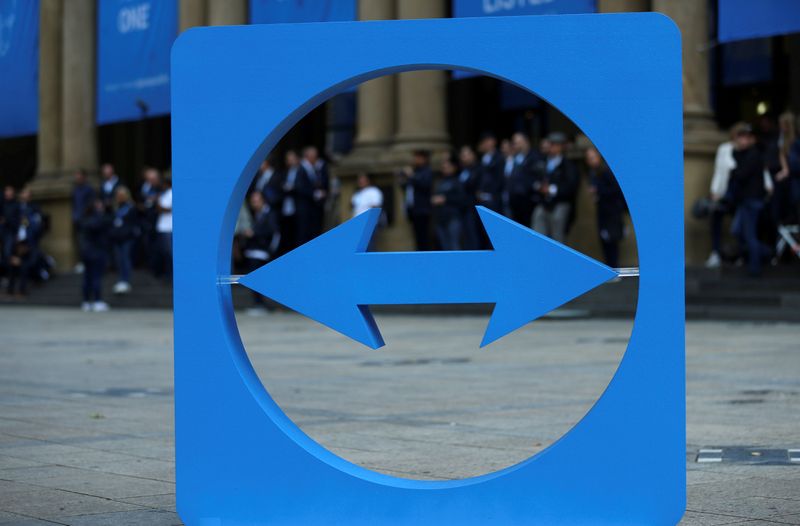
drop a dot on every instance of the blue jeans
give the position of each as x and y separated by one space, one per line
123 256
449 233
164 255
94 268
749 213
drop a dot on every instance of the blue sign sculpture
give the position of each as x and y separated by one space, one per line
239 459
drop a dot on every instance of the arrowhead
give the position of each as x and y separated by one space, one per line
316 279
535 274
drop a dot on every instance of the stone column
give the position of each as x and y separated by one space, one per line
375 110
421 95
67 139
191 13
51 13
227 12
701 135
79 142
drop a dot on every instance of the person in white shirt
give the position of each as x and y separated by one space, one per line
164 230
367 196
721 201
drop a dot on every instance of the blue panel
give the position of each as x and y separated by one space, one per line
19 67
744 19
465 8
294 11
239 459
521 7
133 43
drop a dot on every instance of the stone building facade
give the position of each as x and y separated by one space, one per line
394 115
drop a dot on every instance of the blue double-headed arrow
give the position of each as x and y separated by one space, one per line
333 279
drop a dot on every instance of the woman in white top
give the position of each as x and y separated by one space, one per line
164 231
367 196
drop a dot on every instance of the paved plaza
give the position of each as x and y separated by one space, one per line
86 405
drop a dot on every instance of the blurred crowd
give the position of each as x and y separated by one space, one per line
118 228
756 184
21 228
537 187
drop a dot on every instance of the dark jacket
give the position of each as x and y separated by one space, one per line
9 216
748 176
520 183
561 184
418 191
456 199
271 189
94 239
470 178
301 191
108 196
82 195
610 203
266 233
31 220
319 177
793 159
125 226
492 180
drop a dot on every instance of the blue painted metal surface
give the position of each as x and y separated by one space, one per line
239 459
517 276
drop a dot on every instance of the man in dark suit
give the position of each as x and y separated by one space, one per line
317 170
268 182
298 203
557 186
261 241
469 178
519 185
108 184
751 188
490 186
417 181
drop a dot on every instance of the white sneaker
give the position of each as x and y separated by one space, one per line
86 306
122 287
714 261
100 306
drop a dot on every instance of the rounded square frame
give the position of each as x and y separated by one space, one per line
239 459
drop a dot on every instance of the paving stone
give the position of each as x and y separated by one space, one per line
126 518
86 415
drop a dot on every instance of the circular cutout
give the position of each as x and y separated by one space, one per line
431 404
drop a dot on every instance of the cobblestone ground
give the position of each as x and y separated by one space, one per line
86 400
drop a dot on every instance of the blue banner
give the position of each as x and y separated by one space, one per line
464 8
19 67
134 38
745 19
294 11
747 62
